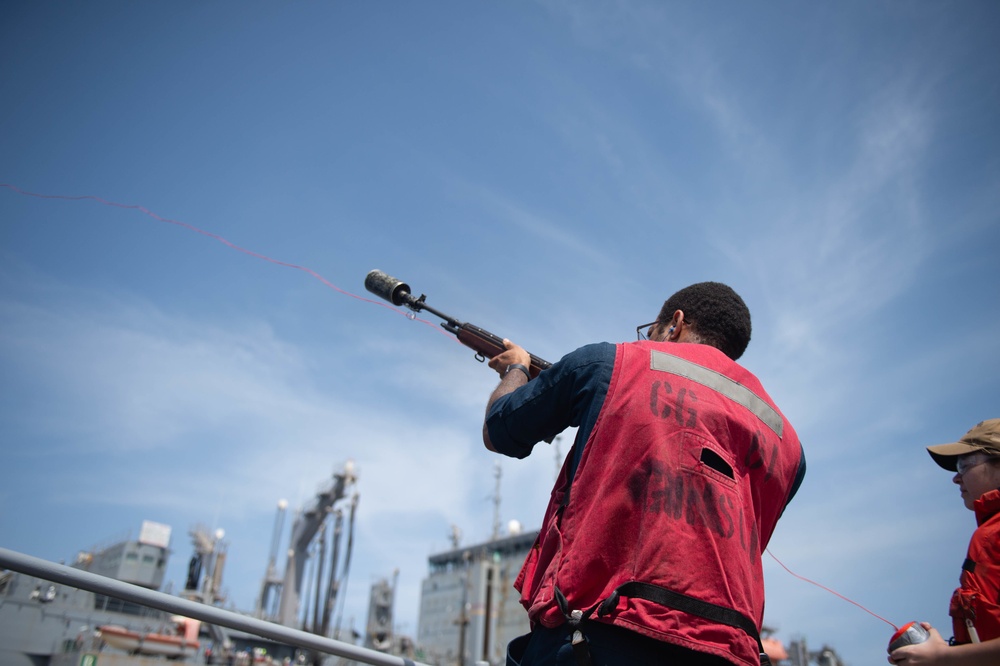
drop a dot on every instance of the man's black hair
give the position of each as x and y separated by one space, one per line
716 313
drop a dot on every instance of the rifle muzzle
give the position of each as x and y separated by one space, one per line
385 286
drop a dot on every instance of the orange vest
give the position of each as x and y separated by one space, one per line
977 601
678 490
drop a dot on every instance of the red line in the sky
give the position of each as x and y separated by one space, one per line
222 240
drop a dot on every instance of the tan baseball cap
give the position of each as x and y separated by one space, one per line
985 437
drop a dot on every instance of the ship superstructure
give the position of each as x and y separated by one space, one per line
40 618
44 623
469 609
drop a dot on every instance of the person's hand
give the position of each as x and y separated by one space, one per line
929 652
512 354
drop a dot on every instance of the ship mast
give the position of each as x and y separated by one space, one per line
497 472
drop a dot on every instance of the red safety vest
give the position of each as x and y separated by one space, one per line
678 490
977 601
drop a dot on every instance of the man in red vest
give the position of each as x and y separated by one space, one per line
975 605
650 549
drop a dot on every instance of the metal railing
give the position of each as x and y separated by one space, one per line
84 580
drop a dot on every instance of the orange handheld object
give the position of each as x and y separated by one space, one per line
909 634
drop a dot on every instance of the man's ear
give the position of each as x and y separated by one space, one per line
674 330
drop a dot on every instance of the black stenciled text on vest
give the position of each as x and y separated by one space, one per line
691 496
679 405
757 457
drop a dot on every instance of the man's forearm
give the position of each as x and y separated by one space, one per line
510 382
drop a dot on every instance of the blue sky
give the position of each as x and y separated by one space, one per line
550 171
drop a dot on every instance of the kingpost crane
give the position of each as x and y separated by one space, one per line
304 530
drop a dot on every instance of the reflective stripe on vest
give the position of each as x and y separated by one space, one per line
719 383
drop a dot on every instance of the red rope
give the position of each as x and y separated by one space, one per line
824 587
256 255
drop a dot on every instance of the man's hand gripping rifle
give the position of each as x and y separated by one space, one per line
485 344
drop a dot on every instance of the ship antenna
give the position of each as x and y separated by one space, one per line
498 472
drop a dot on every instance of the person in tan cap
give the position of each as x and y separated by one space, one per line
975 605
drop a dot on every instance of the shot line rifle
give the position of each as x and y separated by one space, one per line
485 344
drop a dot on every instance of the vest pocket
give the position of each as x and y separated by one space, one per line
704 456
716 462
689 483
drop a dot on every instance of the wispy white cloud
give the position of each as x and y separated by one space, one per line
538 228
676 143
181 415
143 380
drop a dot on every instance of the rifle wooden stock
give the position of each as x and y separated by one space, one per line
487 345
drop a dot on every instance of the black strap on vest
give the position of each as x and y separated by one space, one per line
575 619
682 602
